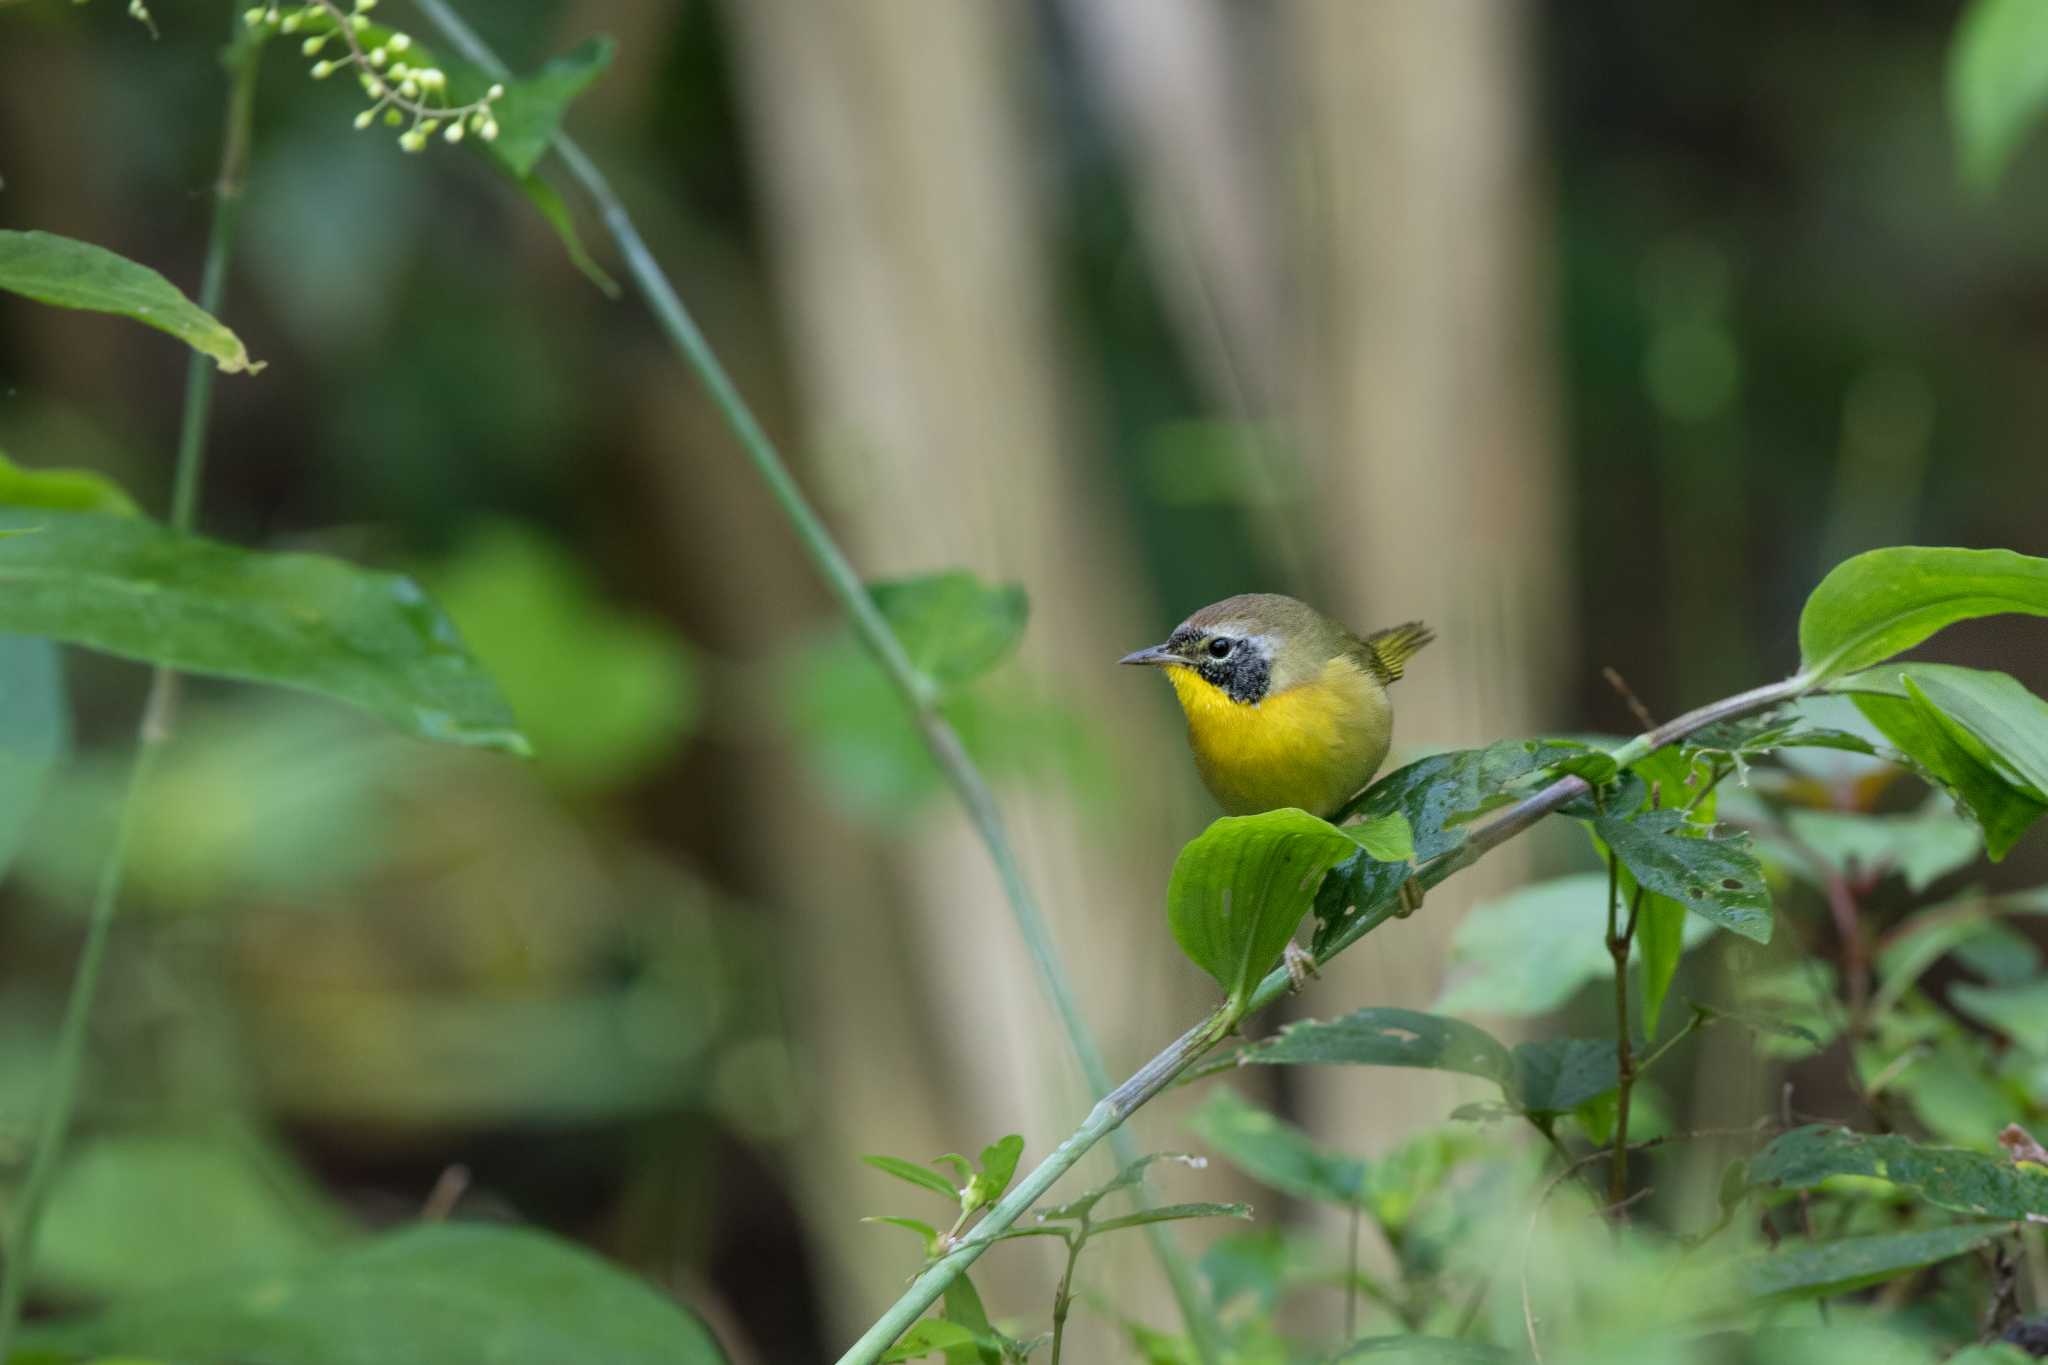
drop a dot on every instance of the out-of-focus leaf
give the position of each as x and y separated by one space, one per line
71 274
132 588
1386 1036
1947 1177
1950 754
2020 1012
1276 1153
1849 1342
1922 848
1718 879
1560 1074
922 1176
953 627
1997 84
1172 1213
547 202
217 1205
35 733
1873 605
1425 1351
1241 887
530 112
1531 950
926 1336
1262 1262
602 693
63 490
1802 1271
453 1293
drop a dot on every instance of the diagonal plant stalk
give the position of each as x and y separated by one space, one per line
1162 1070
917 690
54 1123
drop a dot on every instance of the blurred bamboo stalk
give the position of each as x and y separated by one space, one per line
1428 398
893 139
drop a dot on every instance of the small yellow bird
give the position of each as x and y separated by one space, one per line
1285 707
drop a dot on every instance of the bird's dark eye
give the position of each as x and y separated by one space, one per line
1220 649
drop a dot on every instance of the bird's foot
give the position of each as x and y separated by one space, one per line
1300 964
1410 897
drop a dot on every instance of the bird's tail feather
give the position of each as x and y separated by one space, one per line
1389 650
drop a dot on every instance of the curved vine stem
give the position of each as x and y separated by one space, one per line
53 1123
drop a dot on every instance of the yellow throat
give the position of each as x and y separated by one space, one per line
1312 745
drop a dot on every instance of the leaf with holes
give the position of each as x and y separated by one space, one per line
1718 879
1386 1036
1239 890
1946 1177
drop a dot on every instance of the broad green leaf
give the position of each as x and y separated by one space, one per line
926 1336
530 112
962 1305
1171 1213
923 1176
1946 1177
1718 879
1996 709
1530 950
70 274
35 733
63 490
604 694
1997 795
1385 837
1874 605
451 1293
1263 1262
2020 1012
1803 1271
1660 943
1386 1036
1558 1075
1996 1354
1239 890
1922 848
129 587
1124 1179
998 1164
1425 1351
952 626
1997 84
1276 1153
218 1204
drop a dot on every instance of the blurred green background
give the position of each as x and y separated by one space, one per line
1591 333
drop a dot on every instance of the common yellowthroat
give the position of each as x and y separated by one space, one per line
1285 707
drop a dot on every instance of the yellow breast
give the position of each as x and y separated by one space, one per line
1312 745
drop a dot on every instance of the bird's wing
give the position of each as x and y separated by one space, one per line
1387 651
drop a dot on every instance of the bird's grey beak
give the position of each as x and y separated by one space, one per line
1155 654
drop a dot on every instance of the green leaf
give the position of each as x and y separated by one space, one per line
547 202
1718 879
452 1293
1530 951
1997 84
70 274
1855 1262
1171 1213
63 490
1922 848
918 1175
35 733
998 1164
1386 1036
132 588
1276 1153
218 1204
1946 1177
604 694
1660 939
1239 890
530 112
953 627
2019 1012
2002 791
1386 837
962 1305
1425 1351
927 1335
1558 1075
925 1232
1122 1180
1876 604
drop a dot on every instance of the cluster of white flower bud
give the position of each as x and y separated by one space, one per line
393 73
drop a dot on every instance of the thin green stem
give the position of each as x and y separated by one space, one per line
1624 1047
53 1124
1063 1296
845 583
1351 1281
1159 1073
